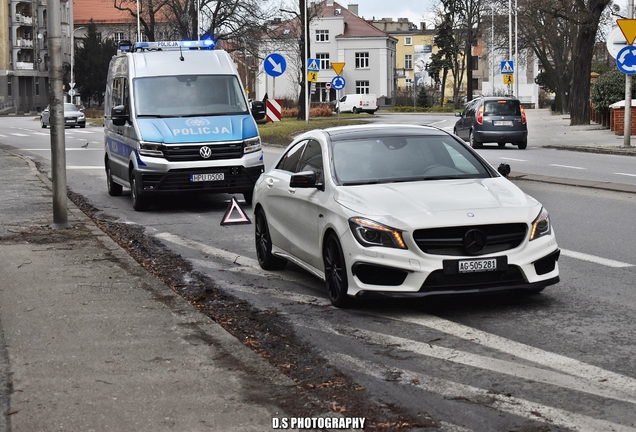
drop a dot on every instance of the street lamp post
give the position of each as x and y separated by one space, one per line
72 83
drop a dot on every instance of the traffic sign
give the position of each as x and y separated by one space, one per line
313 65
328 86
337 67
312 76
274 64
72 92
628 28
338 82
273 110
615 41
508 79
507 67
626 60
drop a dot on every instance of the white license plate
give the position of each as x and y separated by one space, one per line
502 122
482 265
207 177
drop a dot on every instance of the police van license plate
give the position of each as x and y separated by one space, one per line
207 177
502 122
482 265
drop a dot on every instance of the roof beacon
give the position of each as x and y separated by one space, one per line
166 45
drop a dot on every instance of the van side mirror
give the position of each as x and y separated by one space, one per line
258 110
119 115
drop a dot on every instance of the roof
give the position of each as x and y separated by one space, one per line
354 25
100 11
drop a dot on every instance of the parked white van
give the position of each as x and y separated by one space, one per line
177 120
356 103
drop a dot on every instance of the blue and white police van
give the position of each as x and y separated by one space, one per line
177 121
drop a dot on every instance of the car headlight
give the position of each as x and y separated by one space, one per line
541 225
81 116
150 149
371 233
251 145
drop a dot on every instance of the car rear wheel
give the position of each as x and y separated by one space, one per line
266 259
473 143
139 202
114 189
522 145
335 272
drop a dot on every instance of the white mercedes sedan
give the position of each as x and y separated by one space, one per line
400 211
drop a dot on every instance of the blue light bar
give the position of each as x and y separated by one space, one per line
207 44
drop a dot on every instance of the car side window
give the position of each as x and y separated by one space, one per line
312 160
289 162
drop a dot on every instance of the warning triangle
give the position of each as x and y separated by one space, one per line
506 68
234 215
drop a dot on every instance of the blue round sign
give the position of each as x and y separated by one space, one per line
626 60
338 82
274 64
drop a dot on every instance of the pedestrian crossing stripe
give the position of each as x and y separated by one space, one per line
229 219
506 68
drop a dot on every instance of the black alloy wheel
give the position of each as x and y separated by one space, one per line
114 189
139 202
335 272
263 241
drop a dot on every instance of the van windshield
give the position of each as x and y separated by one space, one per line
188 95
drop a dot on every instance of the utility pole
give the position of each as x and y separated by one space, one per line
627 125
56 97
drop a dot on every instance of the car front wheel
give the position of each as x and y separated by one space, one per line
266 259
139 202
335 272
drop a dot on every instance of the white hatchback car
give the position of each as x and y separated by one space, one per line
402 211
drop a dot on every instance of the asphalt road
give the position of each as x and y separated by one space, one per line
562 360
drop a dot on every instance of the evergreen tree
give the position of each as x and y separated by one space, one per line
92 57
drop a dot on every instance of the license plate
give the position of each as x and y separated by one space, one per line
207 177
502 122
482 265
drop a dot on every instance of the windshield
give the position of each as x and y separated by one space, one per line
188 95
70 107
398 159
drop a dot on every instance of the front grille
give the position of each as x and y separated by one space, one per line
193 153
450 240
236 179
438 281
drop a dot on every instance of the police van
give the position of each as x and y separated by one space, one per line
177 121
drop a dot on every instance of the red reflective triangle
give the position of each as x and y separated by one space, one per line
229 218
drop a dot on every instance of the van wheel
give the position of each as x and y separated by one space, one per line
354 110
522 145
114 189
473 142
139 202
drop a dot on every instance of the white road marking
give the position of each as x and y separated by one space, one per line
3 136
434 123
567 166
452 390
75 167
82 132
626 174
19 134
513 159
595 259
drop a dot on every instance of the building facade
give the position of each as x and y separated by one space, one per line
24 57
337 35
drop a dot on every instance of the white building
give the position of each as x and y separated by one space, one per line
338 35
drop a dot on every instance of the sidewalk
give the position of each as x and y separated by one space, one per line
95 343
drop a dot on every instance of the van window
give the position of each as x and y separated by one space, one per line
189 95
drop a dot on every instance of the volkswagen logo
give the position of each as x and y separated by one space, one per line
474 241
205 152
197 122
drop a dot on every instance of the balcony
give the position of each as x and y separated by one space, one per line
23 43
24 66
23 19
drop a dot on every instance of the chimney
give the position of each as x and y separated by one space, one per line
353 8
329 3
422 26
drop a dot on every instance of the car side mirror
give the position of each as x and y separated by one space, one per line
119 115
258 110
458 114
504 169
305 180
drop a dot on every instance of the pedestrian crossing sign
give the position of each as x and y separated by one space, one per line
312 65
507 67
509 79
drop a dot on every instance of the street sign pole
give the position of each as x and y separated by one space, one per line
627 125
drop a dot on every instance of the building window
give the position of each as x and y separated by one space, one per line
322 35
408 40
9 82
362 87
362 60
474 62
408 83
476 84
324 61
118 36
408 61
37 86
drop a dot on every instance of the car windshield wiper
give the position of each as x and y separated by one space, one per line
153 116
361 182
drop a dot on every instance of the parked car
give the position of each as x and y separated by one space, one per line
498 120
357 103
73 116
403 211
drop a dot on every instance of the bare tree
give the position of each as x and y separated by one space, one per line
151 12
